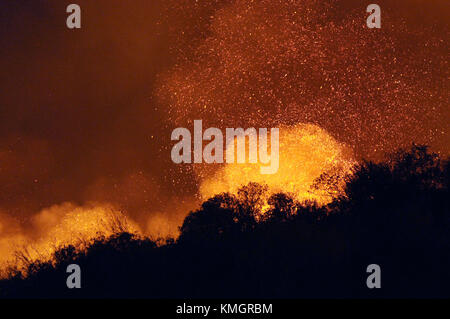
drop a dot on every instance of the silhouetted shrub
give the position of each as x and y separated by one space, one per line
395 214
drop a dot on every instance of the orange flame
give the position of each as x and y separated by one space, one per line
306 152
58 226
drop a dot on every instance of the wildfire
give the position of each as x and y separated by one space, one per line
58 226
307 152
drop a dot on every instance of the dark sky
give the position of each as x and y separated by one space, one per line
87 114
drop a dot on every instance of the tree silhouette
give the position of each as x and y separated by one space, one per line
255 244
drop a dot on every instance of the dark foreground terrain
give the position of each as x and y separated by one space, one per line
394 214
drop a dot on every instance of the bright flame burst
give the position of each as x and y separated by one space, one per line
307 153
59 226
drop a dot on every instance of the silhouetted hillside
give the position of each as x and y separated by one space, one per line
395 214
